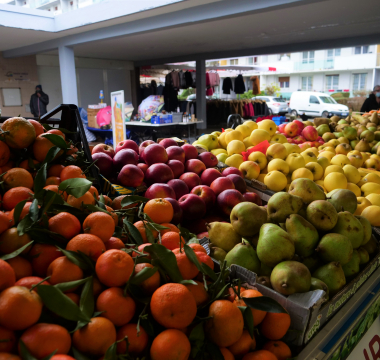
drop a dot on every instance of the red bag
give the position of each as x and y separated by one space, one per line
263 147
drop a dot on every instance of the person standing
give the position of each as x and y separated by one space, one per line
38 102
373 100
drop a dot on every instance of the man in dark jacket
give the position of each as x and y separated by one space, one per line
38 102
373 100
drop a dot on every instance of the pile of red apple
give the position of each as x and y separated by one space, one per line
198 192
297 133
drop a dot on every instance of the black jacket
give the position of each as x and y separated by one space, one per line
370 104
38 104
239 85
227 85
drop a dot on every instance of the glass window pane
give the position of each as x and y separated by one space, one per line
356 82
365 49
311 54
330 53
357 50
337 52
304 80
304 55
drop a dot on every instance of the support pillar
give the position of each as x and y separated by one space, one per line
201 93
68 75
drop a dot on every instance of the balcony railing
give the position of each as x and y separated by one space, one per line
314 65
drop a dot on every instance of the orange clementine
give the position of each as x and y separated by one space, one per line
107 200
25 165
279 349
204 258
53 180
7 339
114 243
187 269
41 148
97 287
5 153
159 210
5 222
99 224
113 215
199 292
56 132
41 256
227 355
72 172
73 297
9 356
226 325
171 228
42 339
86 199
260 355
94 191
65 224
72 151
258 315
19 134
171 344
55 170
116 307
172 240
10 241
275 325
96 337
39 129
15 195
29 281
89 244
63 270
18 177
19 308
243 346
9 165
7 275
137 342
21 267
173 306
142 230
61 357
150 285
24 212
54 188
198 248
114 267
140 248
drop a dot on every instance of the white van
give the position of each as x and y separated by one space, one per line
315 104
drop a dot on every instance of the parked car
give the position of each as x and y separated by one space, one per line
276 105
315 104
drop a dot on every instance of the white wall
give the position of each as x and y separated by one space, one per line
50 79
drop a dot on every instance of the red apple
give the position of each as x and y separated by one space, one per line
179 186
127 144
195 166
281 128
125 157
300 124
310 133
168 142
232 170
202 235
299 139
106 149
155 154
221 184
178 213
143 146
252 197
291 129
158 173
177 167
209 159
143 167
205 193
227 199
191 179
159 191
193 206
104 163
239 183
209 175
176 153
191 151
130 176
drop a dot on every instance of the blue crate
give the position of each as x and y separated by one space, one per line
156 120
168 120
279 119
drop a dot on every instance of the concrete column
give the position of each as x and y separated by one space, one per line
201 93
68 76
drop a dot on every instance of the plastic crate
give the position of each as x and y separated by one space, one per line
156 120
279 119
177 117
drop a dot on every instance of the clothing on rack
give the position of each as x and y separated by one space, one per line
255 84
175 79
160 89
153 85
188 80
227 85
239 85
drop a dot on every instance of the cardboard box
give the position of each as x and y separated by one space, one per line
91 117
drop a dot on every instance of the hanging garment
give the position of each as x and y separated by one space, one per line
209 91
194 77
182 80
239 85
160 89
207 79
153 86
175 79
188 79
255 85
227 85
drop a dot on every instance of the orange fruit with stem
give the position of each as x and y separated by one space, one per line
137 342
150 285
199 292
24 212
53 180
89 244
42 339
260 355
19 133
29 281
65 224
72 172
41 147
41 256
17 177
63 270
172 240
8 276
11 241
15 195
114 243
171 228
243 346
56 132
279 349
7 339
115 306
21 267
86 199
113 214
55 170
55 188
93 190
39 129
173 306
205 259
5 153
187 268
106 199
171 344
159 210
142 230
19 308
258 315
100 224
275 325
96 337
198 248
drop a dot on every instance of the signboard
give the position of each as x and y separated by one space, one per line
118 124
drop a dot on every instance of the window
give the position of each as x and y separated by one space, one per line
264 58
280 100
234 62
307 82
333 52
327 99
360 81
332 82
284 81
308 57
252 60
223 62
337 52
361 50
313 100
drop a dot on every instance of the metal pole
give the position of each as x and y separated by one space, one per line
201 93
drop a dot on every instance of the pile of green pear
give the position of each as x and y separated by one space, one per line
303 240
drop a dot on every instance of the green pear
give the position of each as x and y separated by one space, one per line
244 255
290 277
274 246
364 256
335 247
353 144
312 262
350 133
338 134
281 205
210 141
304 235
332 275
371 246
223 235
322 215
217 253
349 226
353 266
324 128
317 284
368 135
343 200
265 281
246 218
367 228
265 270
306 189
